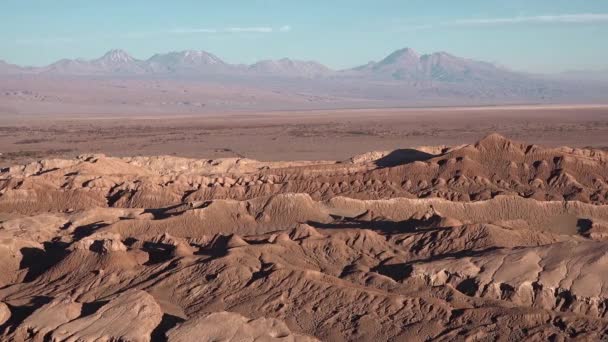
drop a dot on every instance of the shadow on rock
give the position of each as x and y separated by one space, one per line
402 156
37 261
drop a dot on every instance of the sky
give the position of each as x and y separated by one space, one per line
531 35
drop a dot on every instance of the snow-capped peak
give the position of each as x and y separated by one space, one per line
117 56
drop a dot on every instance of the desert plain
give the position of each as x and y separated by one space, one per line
331 134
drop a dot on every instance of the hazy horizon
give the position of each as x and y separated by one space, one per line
380 58
543 37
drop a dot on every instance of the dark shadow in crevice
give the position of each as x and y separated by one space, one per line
468 287
117 196
46 171
158 252
402 271
37 261
264 272
402 156
91 308
583 226
130 241
216 248
397 272
380 226
87 230
20 313
174 210
187 194
168 322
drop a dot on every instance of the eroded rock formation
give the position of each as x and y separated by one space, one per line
485 241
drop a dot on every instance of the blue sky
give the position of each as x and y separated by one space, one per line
531 35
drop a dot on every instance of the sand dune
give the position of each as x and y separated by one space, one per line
471 242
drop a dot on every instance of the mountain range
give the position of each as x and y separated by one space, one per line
405 64
190 62
403 78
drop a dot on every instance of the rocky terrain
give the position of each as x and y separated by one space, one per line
494 240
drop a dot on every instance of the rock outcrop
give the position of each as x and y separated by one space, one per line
495 240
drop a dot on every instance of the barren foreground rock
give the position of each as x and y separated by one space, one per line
473 242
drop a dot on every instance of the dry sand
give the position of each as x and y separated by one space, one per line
293 135
492 240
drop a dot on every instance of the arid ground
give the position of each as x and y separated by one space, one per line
297 135
443 224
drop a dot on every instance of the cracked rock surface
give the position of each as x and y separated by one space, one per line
496 240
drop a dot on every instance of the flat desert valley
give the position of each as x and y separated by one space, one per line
331 134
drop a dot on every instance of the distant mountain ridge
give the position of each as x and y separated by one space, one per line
404 64
288 66
402 77
407 64
119 62
6 68
189 60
